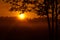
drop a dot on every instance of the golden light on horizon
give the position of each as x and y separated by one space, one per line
27 15
22 16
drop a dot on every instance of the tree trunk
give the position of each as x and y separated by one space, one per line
46 9
56 22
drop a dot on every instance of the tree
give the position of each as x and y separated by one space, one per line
41 7
38 6
27 5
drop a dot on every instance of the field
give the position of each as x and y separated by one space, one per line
14 29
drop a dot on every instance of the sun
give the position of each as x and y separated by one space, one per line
22 16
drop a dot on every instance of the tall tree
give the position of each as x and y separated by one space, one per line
41 7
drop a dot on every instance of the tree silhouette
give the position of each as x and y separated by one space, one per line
27 5
41 7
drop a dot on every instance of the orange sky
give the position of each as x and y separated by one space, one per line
4 11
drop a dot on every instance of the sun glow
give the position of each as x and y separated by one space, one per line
22 16
27 15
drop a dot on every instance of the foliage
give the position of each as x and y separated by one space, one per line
36 6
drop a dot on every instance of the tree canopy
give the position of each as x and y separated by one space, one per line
36 6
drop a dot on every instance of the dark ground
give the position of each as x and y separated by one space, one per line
13 29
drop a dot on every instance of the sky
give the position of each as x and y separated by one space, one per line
4 11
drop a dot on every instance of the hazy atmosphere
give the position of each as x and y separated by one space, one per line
30 19
4 11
